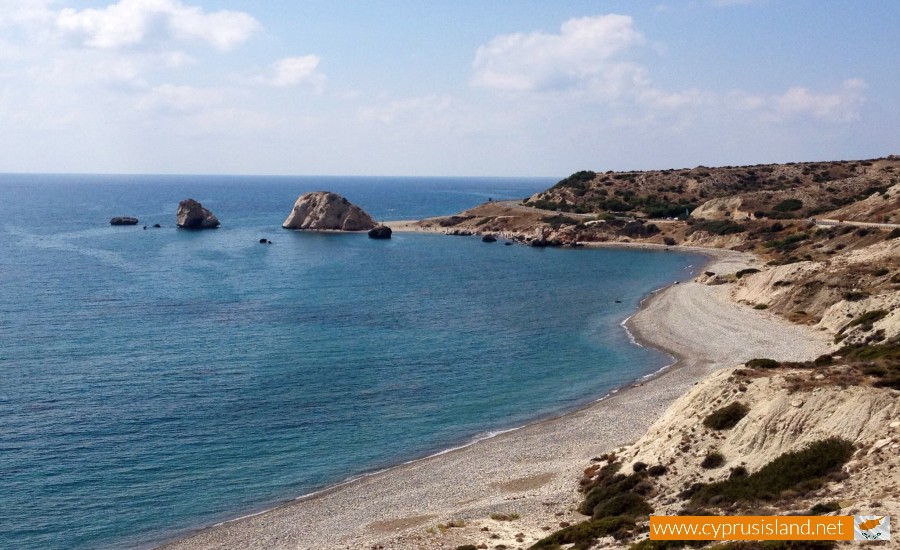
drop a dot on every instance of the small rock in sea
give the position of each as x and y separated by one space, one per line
123 220
156 225
489 239
380 232
264 241
618 301
145 228
507 244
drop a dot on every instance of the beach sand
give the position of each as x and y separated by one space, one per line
531 472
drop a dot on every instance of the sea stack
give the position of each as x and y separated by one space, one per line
325 210
192 215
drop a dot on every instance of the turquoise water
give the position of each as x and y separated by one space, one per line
153 381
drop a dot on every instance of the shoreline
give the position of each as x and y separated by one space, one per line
646 397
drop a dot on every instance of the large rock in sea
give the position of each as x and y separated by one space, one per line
123 220
380 232
192 215
325 210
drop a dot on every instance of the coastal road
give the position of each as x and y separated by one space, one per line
832 223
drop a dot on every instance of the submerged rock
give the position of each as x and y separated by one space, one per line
156 225
123 220
192 215
325 210
380 232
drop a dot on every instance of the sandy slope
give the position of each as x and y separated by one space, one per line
531 472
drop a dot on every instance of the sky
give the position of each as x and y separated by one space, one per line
451 88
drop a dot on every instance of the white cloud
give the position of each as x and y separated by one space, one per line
136 23
583 56
291 71
840 106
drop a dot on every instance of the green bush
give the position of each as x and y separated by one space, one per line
788 205
895 232
727 417
763 364
824 508
794 470
867 320
626 504
584 534
718 227
713 460
747 271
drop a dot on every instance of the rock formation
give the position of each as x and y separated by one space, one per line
380 232
192 215
324 210
123 220
489 239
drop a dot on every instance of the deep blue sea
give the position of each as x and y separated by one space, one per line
154 381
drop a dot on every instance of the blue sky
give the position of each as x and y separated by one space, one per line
493 88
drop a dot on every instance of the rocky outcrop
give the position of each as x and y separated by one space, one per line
192 215
123 220
380 232
489 238
324 210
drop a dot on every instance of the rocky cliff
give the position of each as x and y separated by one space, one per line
330 211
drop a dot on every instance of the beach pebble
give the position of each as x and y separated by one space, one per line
797 403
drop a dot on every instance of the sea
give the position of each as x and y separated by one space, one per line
156 380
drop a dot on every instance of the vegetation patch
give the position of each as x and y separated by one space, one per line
866 321
727 417
747 271
717 227
798 470
763 364
788 205
559 220
713 460
584 534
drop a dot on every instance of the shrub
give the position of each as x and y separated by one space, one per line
669 241
467 547
794 470
639 466
727 417
626 504
584 534
578 180
895 232
867 320
718 227
504 517
824 508
823 360
712 460
747 271
763 364
761 306
657 470
855 296
788 205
